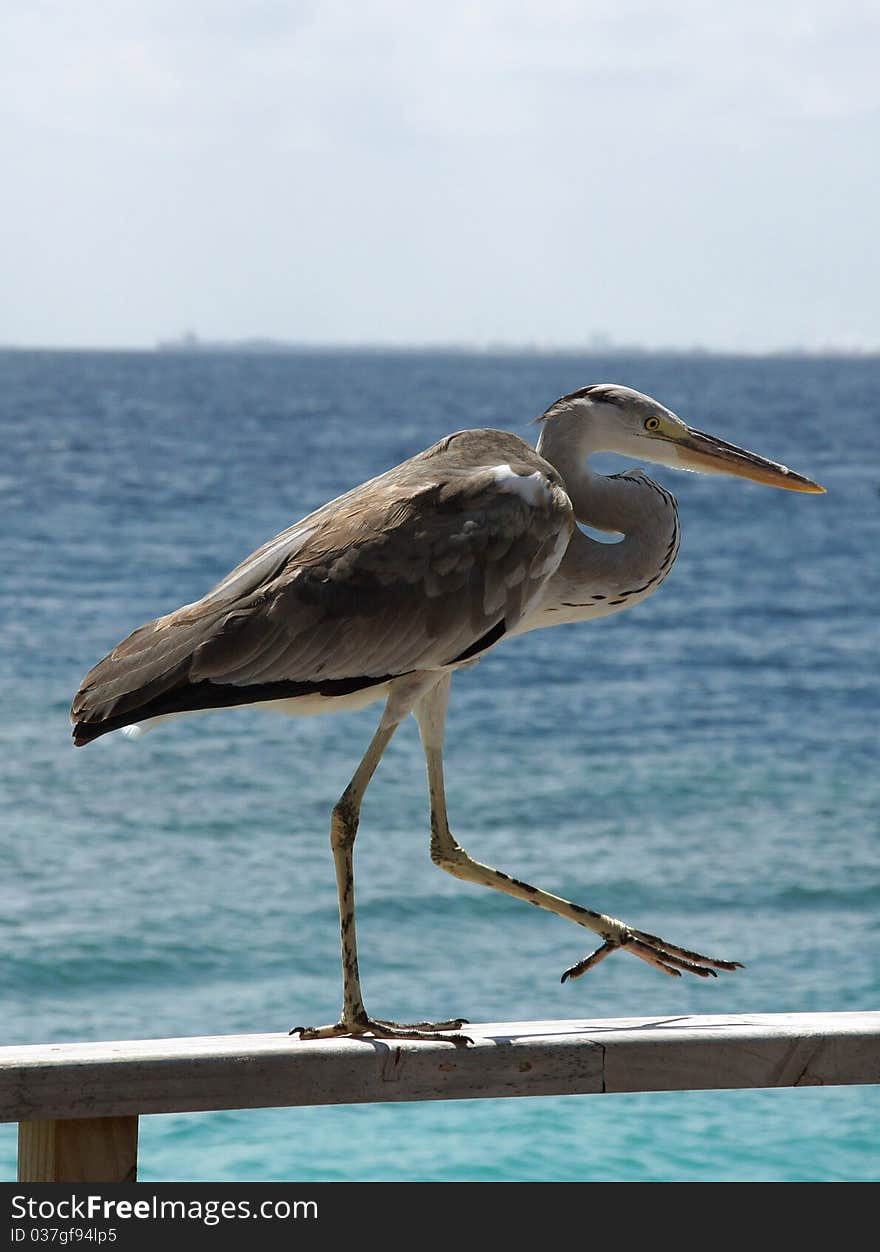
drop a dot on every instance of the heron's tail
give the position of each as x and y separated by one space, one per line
160 671
144 676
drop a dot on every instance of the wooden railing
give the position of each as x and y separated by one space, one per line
77 1104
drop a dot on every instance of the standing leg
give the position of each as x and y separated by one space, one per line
451 856
343 829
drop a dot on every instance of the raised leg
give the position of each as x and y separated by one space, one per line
343 829
451 856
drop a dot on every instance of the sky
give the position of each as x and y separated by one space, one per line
668 173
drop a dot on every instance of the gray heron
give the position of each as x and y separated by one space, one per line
383 593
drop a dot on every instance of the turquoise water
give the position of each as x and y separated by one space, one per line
704 766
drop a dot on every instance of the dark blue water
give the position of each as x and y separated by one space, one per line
703 766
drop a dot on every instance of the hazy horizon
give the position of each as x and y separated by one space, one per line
529 172
256 345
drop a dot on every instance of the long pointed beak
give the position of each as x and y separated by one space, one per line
710 455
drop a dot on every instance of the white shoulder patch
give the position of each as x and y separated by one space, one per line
533 488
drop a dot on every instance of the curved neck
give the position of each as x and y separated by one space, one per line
604 502
595 579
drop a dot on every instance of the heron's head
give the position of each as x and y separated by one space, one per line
606 417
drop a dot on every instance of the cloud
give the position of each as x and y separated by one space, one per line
328 168
491 68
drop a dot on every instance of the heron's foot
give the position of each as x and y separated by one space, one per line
667 957
377 1028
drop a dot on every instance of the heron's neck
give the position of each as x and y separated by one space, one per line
595 579
618 503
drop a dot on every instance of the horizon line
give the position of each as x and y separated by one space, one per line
255 345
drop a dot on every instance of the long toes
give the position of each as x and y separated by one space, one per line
661 958
664 956
454 1023
382 1031
575 971
376 1028
655 956
320 1032
670 950
379 1028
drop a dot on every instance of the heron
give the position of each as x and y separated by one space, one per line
388 590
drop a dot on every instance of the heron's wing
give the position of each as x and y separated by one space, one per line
419 569
404 580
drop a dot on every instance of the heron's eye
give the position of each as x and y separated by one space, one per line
652 423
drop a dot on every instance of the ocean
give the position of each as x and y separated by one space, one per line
703 766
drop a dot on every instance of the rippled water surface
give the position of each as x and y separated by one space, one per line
704 766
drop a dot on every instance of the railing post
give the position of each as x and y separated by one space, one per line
78 1149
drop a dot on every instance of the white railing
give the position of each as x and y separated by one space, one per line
77 1104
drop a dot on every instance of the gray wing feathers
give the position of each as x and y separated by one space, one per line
406 572
411 593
